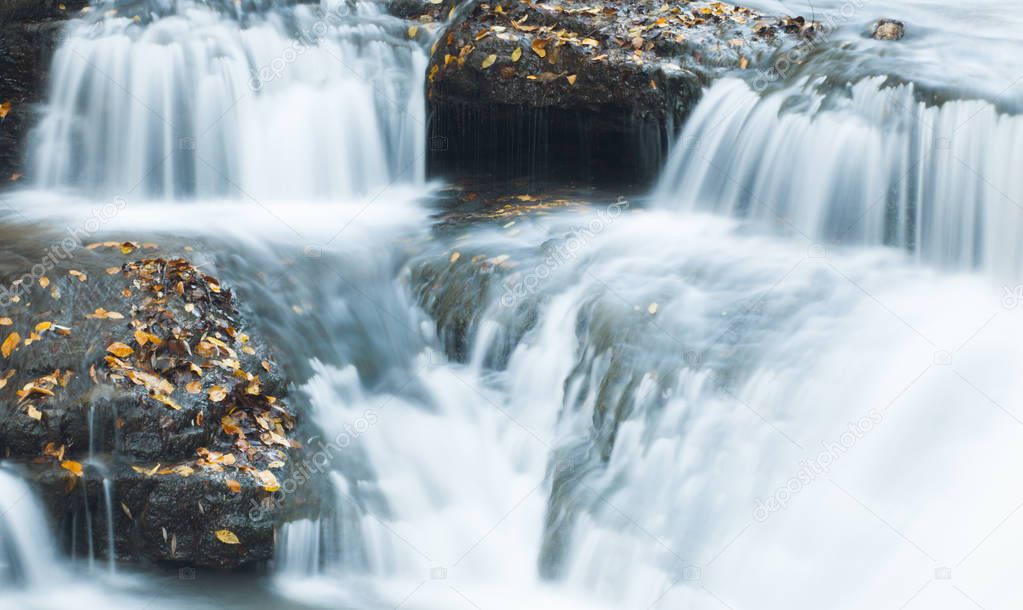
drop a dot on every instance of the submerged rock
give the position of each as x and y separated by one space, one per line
581 90
133 387
889 29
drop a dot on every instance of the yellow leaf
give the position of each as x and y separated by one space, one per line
42 326
166 400
412 30
193 387
77 274
44 281
119 349
6 321
35 413
489 61
217 394
234 486
538 47
9 344
516 54
5 379
73 467
571 79
227 537
268 480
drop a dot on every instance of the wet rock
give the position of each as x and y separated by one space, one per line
130 379
586 91
422 10
889 29
29 33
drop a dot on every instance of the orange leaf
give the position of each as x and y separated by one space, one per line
119 349
9 344
73 467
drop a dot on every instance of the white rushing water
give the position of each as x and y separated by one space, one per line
27 552
868 165
790 383
312 102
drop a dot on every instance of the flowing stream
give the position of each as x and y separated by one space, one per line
787 378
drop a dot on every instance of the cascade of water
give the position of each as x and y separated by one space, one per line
298 103
870 165
108 504
27 551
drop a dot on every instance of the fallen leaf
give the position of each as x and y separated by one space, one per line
142 337
652 309
6 321
4 109
234 486
571 79
166 400
43 326
103 314
227 537
412 30
73 467
44 281
489 61
35 413
77 274
217 393
538 47
119 349
193 387
9 344
268 480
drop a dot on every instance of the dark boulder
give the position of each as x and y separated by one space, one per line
129 382
577 90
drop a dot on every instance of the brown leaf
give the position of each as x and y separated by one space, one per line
217 393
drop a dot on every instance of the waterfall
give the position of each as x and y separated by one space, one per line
869 164
108 506
297 103
27 550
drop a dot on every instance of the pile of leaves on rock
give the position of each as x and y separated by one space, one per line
562 42
166 342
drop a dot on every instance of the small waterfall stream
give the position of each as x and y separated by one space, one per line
27 552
